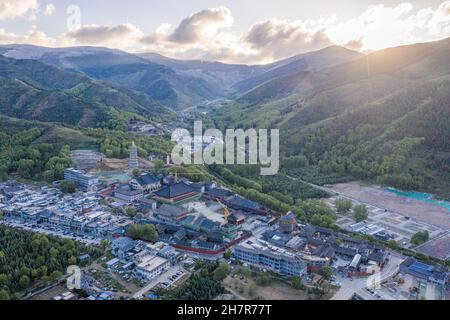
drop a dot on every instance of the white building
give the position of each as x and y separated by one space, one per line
150 266
84 181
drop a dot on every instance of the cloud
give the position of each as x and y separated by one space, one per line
120 36
382 26
32 36
49 9
10 9
276 39
209 35
202 24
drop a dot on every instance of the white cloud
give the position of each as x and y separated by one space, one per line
121 36
208 34
10 9
32 36
380 26
49 9
275 39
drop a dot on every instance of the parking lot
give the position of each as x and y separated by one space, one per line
169 279
90 240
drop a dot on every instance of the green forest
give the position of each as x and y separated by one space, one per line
29 260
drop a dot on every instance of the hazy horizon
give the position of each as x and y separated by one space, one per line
226 31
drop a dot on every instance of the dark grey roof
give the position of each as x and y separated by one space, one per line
147 179
219 192
325 251
171 211
289 218
240 202
175 190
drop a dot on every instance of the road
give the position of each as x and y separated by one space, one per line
162 278
41 230
349 288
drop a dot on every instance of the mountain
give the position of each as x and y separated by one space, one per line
307 62
384 117
36 91
234 79
220 75
159 82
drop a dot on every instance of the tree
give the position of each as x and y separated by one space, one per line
420 237
149 233
68 186
221 271
392 244
131 212
343 206
360 213
136 173
297 283
252 290
227 255
72 260
4 280
24 282
264 280
104 243
55 275
159 165
247 273
4 295
327 272
25 168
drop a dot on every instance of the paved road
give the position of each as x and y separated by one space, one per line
349 288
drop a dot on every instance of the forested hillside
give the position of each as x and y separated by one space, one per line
35 91
29 260
385 117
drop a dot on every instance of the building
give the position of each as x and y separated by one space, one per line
170 213
84 181
279 261
219 194
288 222
177 193
150 266
134 163
121 246
434 274
127 194
148 205
354 265
147 182
240 203
236 219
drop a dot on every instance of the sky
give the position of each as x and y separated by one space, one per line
232 31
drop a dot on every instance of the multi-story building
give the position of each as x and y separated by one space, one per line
83 180
263 257
149 266
127 194
434 274
147 182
